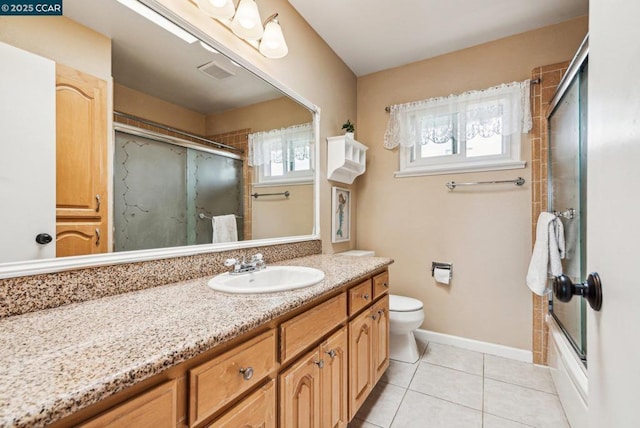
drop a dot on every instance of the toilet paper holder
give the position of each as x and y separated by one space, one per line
442 265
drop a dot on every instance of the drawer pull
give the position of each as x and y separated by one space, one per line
385 284
247 373
331 353
374 317
381 312
319 363
365 297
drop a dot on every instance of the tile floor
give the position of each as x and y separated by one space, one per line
451 387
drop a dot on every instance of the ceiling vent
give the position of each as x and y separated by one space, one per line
215 70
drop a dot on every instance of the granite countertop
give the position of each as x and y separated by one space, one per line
58 361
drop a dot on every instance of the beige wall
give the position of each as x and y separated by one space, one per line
273 114
311 69
131 101
483 231
60 39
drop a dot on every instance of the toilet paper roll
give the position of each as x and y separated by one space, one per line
441 275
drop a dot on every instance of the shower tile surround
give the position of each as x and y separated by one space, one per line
53 368
550 76
33 293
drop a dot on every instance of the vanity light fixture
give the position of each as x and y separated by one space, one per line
219 9
246 22
158 19
273 44
247 25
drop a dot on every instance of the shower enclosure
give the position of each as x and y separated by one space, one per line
567 130
161 187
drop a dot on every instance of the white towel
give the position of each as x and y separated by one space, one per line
547 252
224 228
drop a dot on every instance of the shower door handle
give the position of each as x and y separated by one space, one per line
564 289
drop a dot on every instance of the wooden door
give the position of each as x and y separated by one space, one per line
80 238
334 398
380 319
360 361
300 393
81 159
256 411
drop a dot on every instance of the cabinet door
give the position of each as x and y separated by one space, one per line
81 144
360 361
334 395
80 238
300 393
256 411
380 319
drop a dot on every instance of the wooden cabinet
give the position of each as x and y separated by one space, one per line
360 296
380 284
81 161
156 408
380 317
217 382
256 411
313 391
360 361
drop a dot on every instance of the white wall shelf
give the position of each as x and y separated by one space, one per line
346 158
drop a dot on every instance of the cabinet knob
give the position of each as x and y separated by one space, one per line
247 373
374 317
319 363
385 284
98 202
381 312
331 353
365 297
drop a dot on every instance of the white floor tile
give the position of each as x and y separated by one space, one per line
399 373
358 423
448 384
454 358
420 411
519 373
525 405
382 404
491 421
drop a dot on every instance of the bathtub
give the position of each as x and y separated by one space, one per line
569 375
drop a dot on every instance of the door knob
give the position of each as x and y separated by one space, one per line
43 238
564 289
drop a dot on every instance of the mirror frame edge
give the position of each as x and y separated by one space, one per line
44 266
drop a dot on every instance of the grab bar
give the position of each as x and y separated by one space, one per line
518 182
257 195
202 216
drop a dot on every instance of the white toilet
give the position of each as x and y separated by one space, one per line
405 316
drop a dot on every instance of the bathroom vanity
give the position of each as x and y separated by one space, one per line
183 355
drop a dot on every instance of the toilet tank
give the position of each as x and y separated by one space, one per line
358 253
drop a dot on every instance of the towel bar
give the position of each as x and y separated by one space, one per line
201 215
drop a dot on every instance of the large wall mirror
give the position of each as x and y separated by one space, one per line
125 139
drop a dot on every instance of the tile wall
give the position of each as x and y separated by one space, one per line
541 95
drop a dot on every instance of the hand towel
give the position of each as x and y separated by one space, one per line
547 252
224 228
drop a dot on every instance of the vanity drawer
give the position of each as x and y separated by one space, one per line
307 328
257 410
360 296
380 284
154 408
217 382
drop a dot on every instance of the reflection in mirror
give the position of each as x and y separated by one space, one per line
134 136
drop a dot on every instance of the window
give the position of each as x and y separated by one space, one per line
474 131
283 155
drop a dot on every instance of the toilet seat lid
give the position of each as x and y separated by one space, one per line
404 304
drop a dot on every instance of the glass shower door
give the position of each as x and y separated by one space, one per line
567 197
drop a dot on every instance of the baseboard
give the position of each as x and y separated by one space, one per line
475 345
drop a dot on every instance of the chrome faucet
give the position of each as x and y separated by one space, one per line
242 266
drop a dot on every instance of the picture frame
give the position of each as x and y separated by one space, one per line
340 214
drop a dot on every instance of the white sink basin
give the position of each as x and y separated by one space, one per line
269 280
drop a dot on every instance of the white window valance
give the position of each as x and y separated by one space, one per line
500 110
269 146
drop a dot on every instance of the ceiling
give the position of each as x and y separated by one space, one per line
374 35
150 59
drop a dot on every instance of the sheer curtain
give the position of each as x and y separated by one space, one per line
270 146
503 109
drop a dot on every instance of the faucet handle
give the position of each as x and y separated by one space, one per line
257 257
230 262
